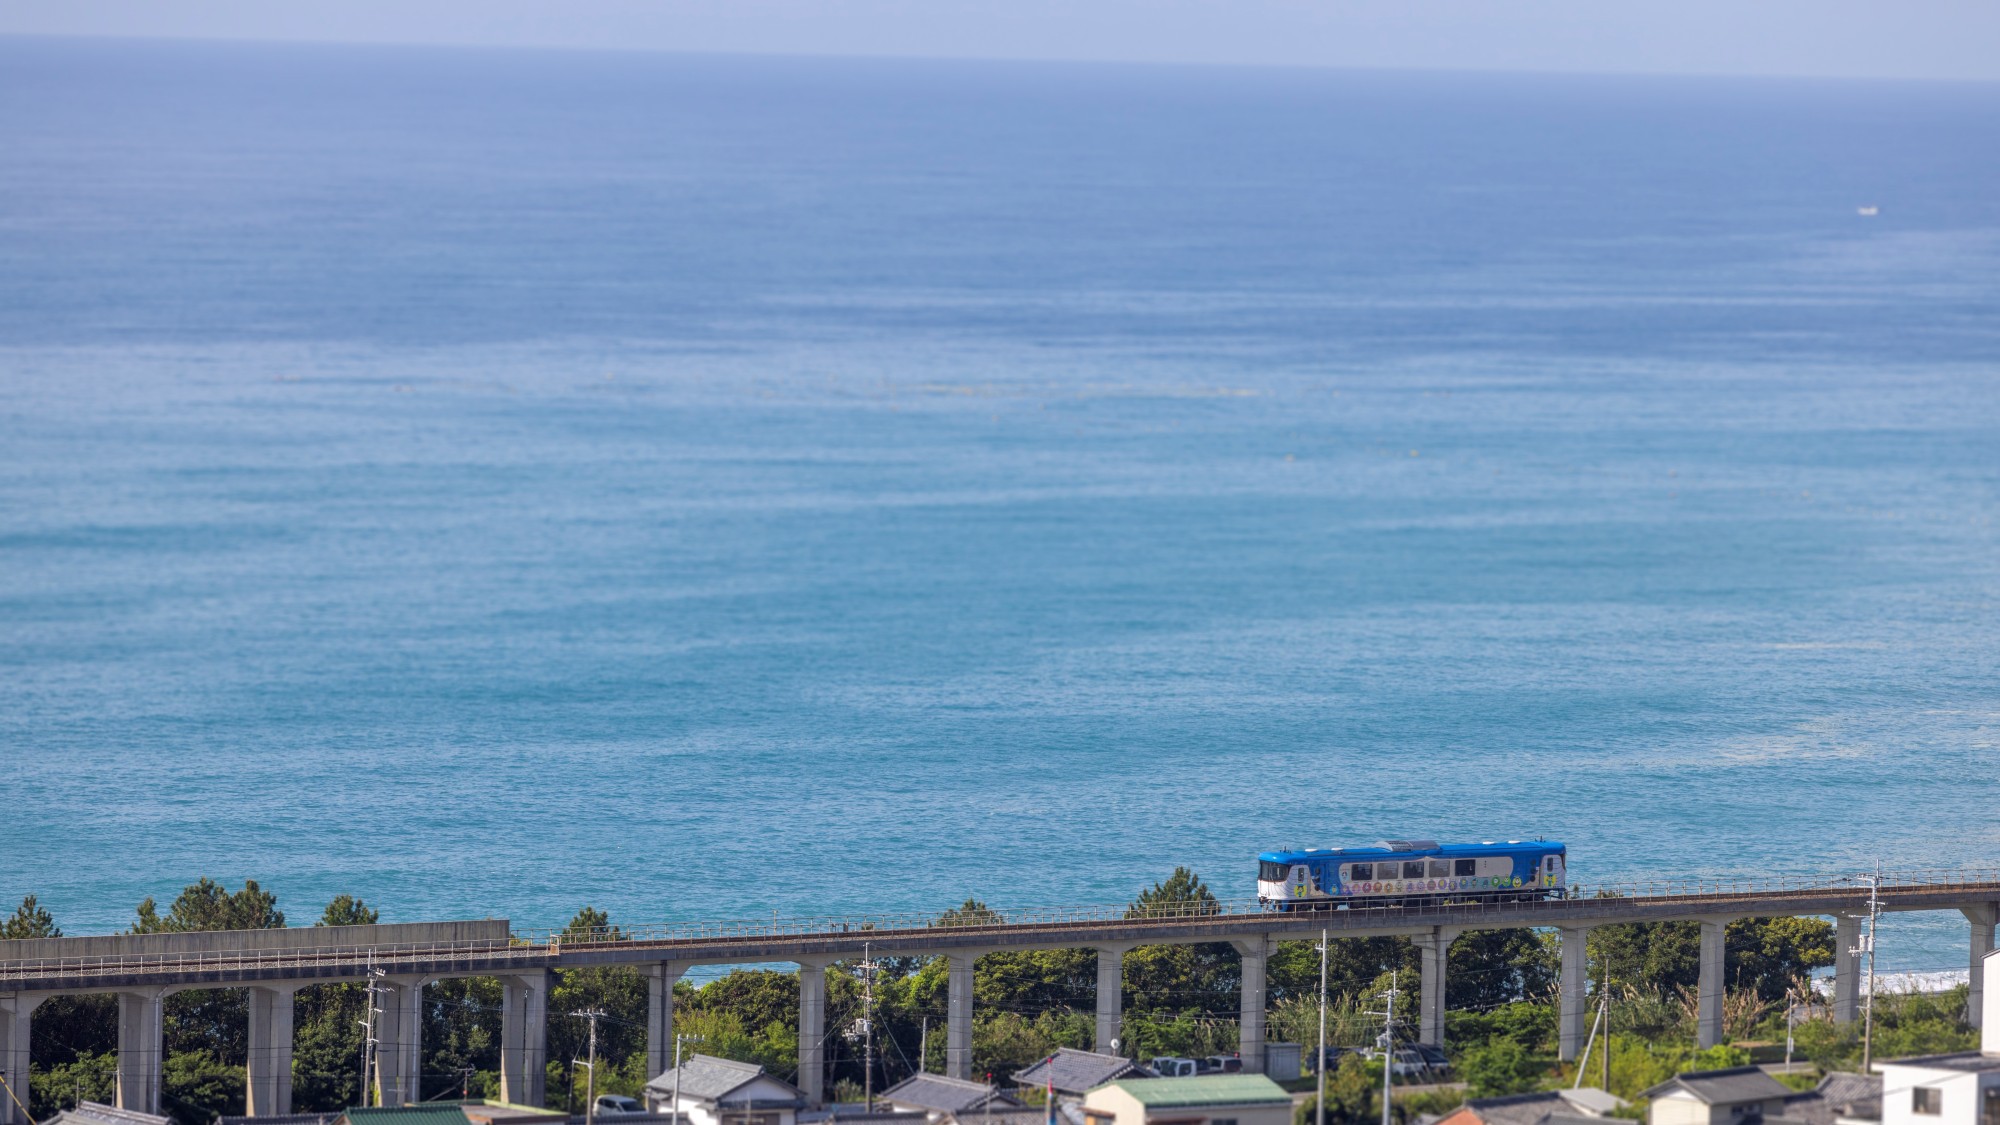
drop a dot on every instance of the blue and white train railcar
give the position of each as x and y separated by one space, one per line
1401 871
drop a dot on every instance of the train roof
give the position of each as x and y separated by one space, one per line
1421 847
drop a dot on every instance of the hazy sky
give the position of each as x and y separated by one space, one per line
1863 38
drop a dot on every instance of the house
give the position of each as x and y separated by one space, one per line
1740 1095
938 1096
280 1119
858 1113
1551 1107
1962 1088
477 1111
1076 1073
97 1113
712 1091
1839 1099
1211 1099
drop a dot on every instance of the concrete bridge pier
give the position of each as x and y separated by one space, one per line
268 1077
660 981
399 1035
1110 995
524 1037
1573 1014
17 1011
1982 917
1846 968
1708 1011
812 1029
141 1048
1256 953
958 1016
1436 948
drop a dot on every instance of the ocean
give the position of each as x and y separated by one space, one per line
491 483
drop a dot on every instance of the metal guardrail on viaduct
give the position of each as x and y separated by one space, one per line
273 964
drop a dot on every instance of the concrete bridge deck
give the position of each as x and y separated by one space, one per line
399 960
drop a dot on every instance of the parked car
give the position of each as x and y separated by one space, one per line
1435 1059
1221 1064
1169 1066
1409 1063
1333 1057
611 1105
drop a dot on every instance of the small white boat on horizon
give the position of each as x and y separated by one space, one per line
1870 210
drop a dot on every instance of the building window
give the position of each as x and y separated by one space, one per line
1989 1113
1927 1101
1222 1121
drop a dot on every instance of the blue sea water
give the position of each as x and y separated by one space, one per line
490 483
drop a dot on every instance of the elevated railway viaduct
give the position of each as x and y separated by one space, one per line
400 959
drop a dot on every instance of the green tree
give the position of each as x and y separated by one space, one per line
1351 1088
1196 980
1486 968
29 921
346 910
617 991
327 1018
1179 895
206 1029
206 905
1501 1066
972 913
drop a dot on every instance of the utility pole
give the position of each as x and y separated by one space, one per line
368 1029
923 1044
678 1039
1607 1025
1319 1066
1868 1001
867 1030
1388 1042
590 1081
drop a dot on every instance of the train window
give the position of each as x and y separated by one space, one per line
1413 869
1361 871
1272 872
1440 868
1464 867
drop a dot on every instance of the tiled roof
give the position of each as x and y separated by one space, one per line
709 1079
882 1114
1516 1109
1206 1089
430 1113
1961 1060
1838 1095
1592 1101
942 1094
97 1113
1733 1086
1078 1072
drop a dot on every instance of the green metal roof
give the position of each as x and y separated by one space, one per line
428 1113
439 1113
1207 1089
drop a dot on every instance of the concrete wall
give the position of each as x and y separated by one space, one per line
1113 1104
1961 1093
301 938
1678 1109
